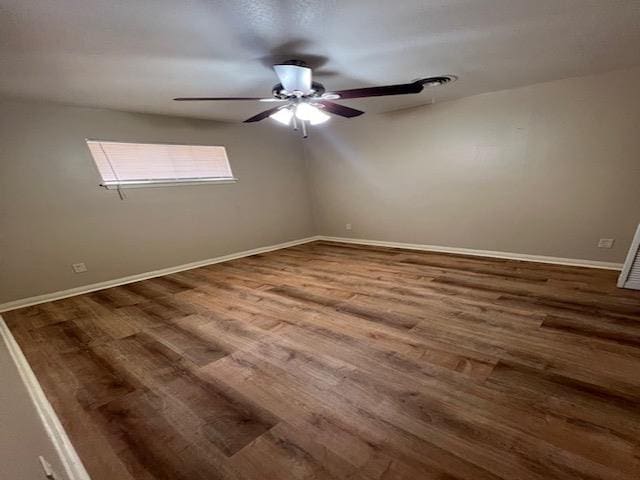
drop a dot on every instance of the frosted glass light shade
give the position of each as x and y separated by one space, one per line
311 114
283 116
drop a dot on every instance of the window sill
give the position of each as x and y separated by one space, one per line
166 183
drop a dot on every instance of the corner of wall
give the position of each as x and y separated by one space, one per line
305 157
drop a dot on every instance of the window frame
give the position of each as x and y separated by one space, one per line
116 185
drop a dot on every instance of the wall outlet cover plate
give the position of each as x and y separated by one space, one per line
606 242
79 267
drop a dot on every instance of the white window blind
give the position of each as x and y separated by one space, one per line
138 164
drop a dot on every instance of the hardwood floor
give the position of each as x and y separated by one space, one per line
335 361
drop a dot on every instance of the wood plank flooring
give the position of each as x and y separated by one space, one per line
336 361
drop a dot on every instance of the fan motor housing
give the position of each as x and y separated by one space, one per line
317 87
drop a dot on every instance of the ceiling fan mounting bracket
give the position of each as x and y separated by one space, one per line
297 63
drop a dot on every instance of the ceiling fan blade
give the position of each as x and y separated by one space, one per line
210 99
294 77
262 115
340 110
400 89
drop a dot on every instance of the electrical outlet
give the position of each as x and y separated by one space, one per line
606 242
79 267
347 226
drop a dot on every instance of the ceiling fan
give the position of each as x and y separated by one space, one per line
307 102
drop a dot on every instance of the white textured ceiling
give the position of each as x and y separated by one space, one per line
138 54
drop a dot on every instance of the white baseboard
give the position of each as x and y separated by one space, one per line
49 297
68 457
574 262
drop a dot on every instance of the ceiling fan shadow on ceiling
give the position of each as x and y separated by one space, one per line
304 102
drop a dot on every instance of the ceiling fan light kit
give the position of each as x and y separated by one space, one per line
307 102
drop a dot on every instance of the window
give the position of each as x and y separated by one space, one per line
124 164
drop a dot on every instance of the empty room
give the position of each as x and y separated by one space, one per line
319 240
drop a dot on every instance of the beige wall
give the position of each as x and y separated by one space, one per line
53 213
546 169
